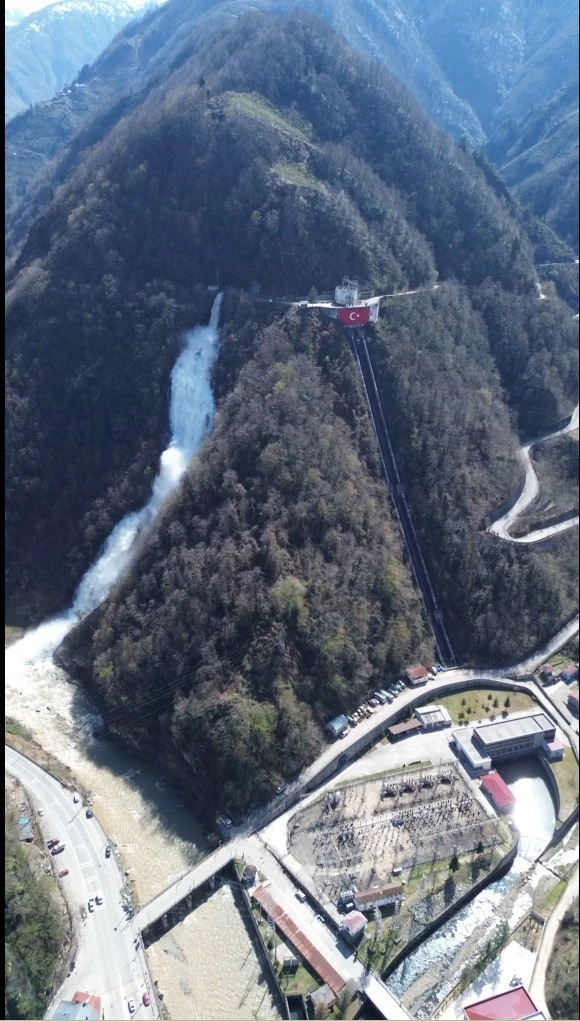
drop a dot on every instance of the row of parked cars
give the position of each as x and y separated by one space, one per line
377 699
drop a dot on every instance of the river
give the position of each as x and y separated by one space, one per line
209 967
427 974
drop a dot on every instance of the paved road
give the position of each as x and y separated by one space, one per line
549 932
107 963
530 491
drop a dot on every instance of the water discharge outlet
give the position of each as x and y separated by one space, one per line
191 413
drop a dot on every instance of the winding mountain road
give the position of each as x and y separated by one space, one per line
537 985
530 491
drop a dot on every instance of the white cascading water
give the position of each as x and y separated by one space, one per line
191 414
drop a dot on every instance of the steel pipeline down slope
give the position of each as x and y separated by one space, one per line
393 479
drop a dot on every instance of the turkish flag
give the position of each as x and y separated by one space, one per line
357 316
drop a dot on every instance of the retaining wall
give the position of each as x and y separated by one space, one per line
265 951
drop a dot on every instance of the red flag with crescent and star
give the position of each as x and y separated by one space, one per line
354 316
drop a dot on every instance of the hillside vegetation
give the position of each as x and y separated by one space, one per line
538 159
106 279
562 972
33 933
444 402
272 594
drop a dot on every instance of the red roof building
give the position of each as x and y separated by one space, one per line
513 1004
498 792
353 924
415 675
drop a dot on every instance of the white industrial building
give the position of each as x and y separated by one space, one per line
433 717
504 739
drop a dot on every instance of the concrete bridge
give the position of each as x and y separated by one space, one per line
186 885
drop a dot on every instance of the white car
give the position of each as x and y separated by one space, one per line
131 1005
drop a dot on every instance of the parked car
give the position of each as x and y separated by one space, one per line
131 1005
75 799
301 895
91 905
41 812
63 873
381 698
146 1000
281 788
108 852
89 813
56 849
390 698
373 702
53 841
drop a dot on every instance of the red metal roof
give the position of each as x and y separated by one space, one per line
353 921
513 1004
419 671
266 897
498 789
82 998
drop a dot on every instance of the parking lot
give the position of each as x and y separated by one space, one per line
359 832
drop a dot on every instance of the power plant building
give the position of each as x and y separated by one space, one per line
516 736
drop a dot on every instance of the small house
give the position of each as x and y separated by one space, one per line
82 1006
570 673
353 926
376 897
432 717
337 725
417 675
547 674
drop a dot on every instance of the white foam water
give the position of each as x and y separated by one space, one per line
191 414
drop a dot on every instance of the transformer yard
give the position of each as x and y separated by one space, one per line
420 832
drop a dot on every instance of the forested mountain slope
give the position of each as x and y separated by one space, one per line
472 66
274 588
46 50
272 594
309 176
538 159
